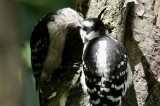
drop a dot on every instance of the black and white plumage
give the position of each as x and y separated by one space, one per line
106 72
48 40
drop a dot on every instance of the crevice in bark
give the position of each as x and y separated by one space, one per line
136 55
151 81
130 97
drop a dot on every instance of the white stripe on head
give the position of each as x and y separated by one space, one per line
88 23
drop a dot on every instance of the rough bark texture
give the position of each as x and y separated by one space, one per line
142 43
137 25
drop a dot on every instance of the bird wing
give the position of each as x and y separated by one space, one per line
39 44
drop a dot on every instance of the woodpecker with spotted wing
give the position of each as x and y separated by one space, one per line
48 40
106 74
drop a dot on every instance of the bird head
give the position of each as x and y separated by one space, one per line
92 28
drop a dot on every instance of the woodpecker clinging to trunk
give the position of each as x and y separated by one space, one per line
106 71
48 40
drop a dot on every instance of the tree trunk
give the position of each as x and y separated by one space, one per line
10 60
137 25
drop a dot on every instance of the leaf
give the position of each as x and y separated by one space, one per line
26 54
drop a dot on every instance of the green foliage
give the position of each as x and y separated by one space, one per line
26 54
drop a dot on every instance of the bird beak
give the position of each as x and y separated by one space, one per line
79 24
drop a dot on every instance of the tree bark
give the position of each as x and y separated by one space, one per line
137 25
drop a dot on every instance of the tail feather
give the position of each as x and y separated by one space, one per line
41 99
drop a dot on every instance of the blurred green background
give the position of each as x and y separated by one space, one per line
17 20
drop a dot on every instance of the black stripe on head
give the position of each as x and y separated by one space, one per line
98 25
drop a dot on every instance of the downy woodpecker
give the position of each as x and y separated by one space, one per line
106 71
48 40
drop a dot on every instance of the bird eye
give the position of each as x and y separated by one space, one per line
84 28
